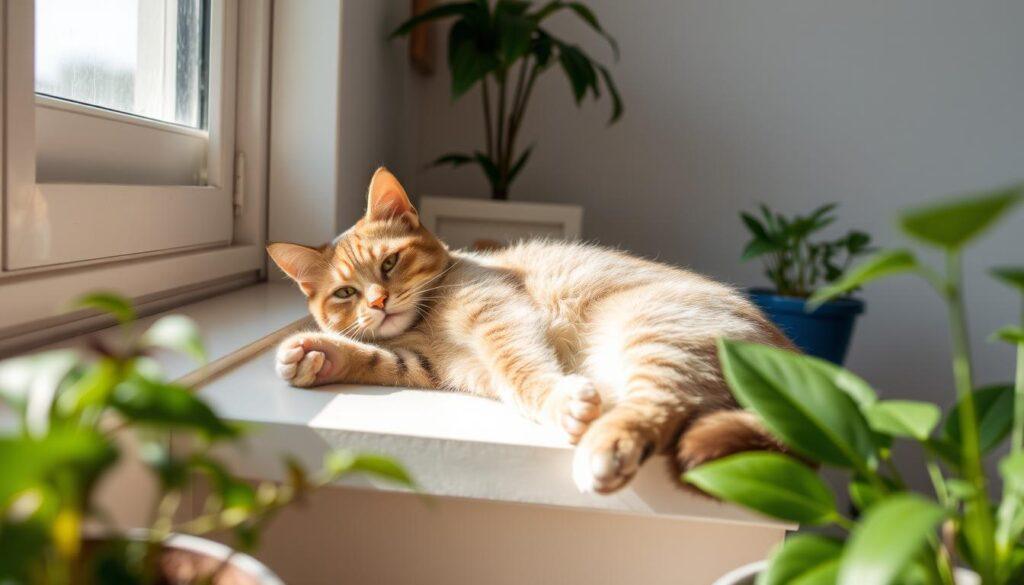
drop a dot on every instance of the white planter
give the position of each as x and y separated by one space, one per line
215 550
747 574
482 223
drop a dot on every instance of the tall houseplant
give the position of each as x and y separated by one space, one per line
68 406
830 416
798 263
505 49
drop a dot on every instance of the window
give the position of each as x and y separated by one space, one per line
119 146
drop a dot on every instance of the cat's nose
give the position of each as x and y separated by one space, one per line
376 297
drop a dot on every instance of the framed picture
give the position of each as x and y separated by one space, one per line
482 224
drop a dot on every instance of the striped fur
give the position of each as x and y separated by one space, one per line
617 351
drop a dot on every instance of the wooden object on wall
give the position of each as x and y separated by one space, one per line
421 41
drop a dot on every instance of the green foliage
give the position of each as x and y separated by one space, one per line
796 265
830 416
504 47
70 406
751 479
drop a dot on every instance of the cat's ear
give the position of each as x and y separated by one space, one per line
388 200
302 264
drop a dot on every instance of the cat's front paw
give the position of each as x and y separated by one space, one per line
303 360
579 404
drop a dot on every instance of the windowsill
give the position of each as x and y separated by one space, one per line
453 444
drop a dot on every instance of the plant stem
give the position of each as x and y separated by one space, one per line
1018 397
488 132
938 482
979 509
501 154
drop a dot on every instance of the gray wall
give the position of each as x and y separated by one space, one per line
875 104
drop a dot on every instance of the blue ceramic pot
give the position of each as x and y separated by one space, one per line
825 333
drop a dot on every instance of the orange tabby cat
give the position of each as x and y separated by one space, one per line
616 351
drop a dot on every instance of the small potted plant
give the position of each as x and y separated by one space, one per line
797 266
829 416
67 407
504 49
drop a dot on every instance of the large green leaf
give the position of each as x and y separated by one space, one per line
951 224
167 406
904 418
107 302
452 158
799 402
882 264
769 483
802 559
1011 275
617 107
883 545
852 384
436 13
70 458
993 406
177 333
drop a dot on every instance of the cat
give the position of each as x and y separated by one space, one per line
616 351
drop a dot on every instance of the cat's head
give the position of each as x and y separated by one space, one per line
373 280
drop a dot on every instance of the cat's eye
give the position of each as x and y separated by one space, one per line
345 292
389 263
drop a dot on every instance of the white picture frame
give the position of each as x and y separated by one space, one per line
483 223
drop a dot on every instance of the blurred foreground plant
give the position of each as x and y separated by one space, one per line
59 414
830 416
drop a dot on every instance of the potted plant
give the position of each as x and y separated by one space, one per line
829 416
797 266
66 409
504 49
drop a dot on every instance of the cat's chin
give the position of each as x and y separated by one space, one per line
396 323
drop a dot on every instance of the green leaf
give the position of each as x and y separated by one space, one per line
853 385
801 559
1012 470
91 390
578 69
755 226
951 224
1011 275
1012 334
467 61
518 165
168 406
864 495
904 418
770 483
452 158
993 406
490 169
340 463
515 33
107 302
800 402
885 263
758 248
177 333
69 458
886 540
588 16
617 107
436 13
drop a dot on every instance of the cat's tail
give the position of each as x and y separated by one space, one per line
721 433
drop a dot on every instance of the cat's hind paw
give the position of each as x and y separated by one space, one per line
580 406
608 457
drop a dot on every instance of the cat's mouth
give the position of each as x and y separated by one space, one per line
397 322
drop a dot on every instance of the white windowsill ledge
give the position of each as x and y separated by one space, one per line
453 444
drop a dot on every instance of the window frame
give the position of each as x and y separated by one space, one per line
160 239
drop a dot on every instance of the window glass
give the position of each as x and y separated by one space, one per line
142 57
